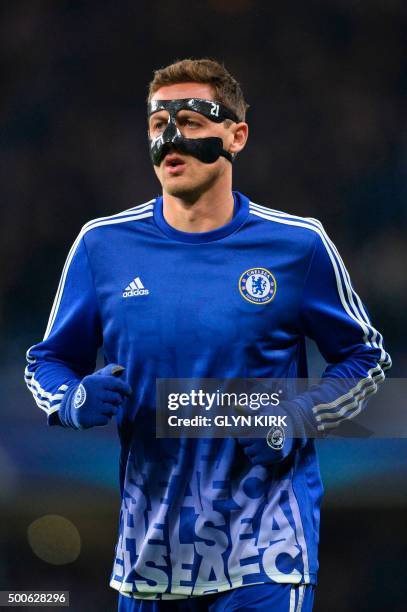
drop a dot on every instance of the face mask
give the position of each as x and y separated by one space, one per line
207 150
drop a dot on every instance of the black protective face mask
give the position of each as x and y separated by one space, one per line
206 150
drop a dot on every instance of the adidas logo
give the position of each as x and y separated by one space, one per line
135 288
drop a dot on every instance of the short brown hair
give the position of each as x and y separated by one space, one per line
226 89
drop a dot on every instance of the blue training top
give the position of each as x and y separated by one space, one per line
238 301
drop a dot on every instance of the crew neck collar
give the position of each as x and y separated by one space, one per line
240 214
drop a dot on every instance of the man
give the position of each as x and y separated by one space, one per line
203 283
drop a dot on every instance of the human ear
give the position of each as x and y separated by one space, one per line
240 133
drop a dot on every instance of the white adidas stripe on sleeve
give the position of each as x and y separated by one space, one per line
141 212
331 417
47 401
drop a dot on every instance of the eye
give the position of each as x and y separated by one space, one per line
158 125
191 123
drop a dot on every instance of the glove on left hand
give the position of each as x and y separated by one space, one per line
279 442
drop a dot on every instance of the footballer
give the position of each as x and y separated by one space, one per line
201 282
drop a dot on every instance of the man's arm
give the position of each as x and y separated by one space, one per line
334 316
69 348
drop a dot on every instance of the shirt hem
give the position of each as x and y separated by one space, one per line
209 587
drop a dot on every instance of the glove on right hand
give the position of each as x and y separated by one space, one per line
95 399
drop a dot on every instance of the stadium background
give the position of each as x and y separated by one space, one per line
327 85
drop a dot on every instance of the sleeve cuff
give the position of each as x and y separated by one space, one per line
304 419
63 416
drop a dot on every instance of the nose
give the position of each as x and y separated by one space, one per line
170 132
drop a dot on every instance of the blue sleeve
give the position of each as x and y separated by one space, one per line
69 348
334 316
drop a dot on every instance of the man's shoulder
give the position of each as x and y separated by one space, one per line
280 217
286 224
136 213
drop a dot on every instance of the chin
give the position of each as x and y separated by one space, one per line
185 189
180 189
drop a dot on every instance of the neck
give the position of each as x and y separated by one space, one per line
205 212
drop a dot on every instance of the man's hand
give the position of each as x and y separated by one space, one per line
95 399
279 442
259 451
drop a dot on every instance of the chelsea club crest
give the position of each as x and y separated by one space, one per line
257 285
275 438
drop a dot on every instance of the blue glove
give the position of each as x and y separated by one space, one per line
279 442
259 451
95 399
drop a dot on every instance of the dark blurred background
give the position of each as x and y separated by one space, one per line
327 86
